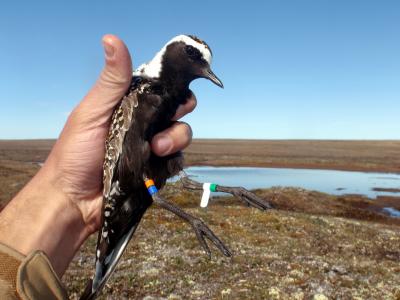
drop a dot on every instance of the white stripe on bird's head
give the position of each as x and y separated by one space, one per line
153 68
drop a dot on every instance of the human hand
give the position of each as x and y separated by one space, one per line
65 197
77 158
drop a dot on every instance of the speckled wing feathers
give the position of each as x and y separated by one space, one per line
120 124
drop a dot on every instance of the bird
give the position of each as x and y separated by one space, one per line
132 173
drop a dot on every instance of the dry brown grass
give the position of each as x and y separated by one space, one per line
278 254
312 244
380 156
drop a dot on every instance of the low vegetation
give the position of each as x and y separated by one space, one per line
286 253
310 246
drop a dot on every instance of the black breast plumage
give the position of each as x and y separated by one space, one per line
146 110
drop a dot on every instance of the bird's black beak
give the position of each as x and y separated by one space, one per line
211 76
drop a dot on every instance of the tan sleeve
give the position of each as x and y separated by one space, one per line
28 277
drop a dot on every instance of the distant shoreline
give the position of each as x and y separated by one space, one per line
347 155
19 159
299 166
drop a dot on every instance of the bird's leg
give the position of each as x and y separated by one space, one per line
198 225
248 197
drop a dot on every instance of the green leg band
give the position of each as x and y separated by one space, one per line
213 187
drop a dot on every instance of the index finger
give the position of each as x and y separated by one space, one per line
186 108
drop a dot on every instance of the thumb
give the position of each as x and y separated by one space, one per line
113 82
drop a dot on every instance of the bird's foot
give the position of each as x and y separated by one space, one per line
202 231
246 196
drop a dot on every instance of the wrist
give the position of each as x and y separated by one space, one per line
42 217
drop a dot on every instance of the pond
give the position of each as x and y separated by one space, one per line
327 181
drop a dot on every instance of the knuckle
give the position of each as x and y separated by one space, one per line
192 95
110 79
191 101
192 105
187 129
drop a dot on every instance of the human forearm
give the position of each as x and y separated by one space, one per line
41 217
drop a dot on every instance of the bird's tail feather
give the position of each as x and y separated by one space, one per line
87 293
96 285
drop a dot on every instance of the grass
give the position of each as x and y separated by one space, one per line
311 246
380 156
278 254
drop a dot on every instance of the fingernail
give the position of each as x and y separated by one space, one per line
164 145
108 49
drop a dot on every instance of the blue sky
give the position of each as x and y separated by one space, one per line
291 69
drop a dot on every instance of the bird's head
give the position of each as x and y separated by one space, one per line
184 58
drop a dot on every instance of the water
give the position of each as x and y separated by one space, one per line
392 211
327 181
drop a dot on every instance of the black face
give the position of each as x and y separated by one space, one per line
185 62
193 53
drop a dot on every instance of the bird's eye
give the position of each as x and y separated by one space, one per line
192 52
